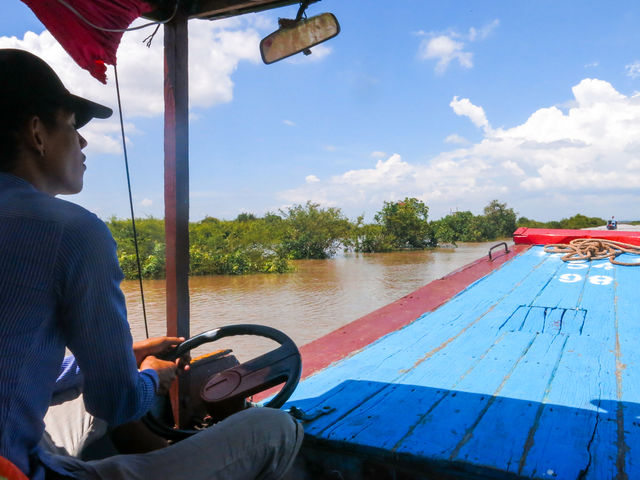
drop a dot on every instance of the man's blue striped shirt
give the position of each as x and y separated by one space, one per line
60 287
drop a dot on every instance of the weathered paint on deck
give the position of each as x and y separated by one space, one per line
532 371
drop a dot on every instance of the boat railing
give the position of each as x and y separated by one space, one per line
506 249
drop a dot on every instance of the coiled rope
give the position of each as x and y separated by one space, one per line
593 249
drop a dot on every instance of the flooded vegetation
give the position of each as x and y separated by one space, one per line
270 244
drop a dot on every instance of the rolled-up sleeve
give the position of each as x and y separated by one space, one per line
94 322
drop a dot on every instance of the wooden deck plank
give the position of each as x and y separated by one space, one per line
500 438
564 289
627 368
415 395
600 323
560 443
439 433
573 437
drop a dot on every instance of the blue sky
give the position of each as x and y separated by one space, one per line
456 103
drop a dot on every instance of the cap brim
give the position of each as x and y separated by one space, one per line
85 110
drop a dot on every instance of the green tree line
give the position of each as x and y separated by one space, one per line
251 244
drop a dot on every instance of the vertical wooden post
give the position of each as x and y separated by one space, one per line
176 183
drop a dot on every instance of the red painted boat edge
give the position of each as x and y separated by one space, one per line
546 236
356 335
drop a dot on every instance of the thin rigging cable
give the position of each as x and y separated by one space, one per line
117 30
133 218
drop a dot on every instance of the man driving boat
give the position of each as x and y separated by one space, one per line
60 288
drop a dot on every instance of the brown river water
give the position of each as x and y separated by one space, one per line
320 296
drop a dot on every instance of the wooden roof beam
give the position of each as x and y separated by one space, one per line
213 9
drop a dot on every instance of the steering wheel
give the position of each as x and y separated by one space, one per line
282 364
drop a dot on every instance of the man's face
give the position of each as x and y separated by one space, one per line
62 162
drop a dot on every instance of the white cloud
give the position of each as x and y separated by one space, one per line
445 49
552 165
464 107
219 47
289 123
633 69
451 46
512 167
483 32
146 202
592 64
378 154
311 179
391 172
105 136
455 138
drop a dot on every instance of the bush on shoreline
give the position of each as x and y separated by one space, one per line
267 244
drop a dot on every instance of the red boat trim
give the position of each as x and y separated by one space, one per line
546 236
358 334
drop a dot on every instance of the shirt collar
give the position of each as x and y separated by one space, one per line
14 180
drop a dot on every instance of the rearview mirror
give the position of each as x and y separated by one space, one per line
303 35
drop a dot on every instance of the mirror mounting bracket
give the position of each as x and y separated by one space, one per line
288 22
303 6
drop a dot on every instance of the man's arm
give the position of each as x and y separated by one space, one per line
94 320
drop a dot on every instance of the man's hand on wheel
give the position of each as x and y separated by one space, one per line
166 372
158 346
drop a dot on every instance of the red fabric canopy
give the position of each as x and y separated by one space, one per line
89 47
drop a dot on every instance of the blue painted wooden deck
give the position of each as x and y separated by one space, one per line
532 371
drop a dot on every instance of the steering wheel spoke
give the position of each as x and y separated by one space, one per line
254 376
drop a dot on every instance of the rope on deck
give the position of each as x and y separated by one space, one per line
593 249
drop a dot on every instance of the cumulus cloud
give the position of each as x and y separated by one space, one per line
452 47
106 136
445 49
146 202
455 138
219 47
465 108
390 172
311 179
586 159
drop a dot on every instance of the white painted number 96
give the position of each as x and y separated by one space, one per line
593 279
570 277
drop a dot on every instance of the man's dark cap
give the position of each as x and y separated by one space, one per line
27 81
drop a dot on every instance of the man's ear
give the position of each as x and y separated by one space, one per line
35 135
